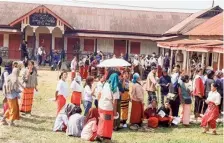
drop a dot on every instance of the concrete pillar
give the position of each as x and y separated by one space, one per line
202 59
34 45
219 56
185 60
6 40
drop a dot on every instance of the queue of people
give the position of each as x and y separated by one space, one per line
106 103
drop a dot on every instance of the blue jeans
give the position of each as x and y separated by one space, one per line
87 105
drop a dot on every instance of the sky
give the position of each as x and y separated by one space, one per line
156 5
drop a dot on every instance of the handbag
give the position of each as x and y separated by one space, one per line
187 101
172 96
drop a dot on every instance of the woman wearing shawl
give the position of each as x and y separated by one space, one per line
137 97
185 98
212 112
77 89
107 107
11 91
89 131
30 83
61 121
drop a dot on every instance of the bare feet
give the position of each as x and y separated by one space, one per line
3 122
214 132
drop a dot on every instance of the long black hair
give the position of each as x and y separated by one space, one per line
62 72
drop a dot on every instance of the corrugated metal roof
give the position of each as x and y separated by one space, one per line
212 27
194 45
191 22
100 19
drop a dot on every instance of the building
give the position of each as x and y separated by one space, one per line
206 40
59 27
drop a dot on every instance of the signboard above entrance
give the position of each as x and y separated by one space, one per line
42 19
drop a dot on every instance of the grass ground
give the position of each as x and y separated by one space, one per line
38 127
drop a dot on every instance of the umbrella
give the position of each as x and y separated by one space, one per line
114 62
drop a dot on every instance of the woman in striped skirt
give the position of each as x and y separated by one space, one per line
30 83
125 98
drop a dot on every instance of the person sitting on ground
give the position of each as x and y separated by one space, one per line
89 131
11 90
61 121
75 123
150 114
165 121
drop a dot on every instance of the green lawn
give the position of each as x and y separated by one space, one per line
38 127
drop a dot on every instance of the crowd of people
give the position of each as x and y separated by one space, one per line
107 93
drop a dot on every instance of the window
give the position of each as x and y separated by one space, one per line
89 45
135 47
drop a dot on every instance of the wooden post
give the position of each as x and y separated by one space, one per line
171 60
127 50
95 50
207 59
219 61
187 61
184 61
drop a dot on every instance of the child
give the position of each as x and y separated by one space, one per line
61 91
77 89
11 91
89 131
61 121
212 112
88 93
99 87
167 119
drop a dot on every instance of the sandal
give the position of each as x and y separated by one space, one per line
134 127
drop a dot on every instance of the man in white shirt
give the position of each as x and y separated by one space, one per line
39 55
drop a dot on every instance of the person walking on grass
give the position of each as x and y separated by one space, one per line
11 91
212 112
30 84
